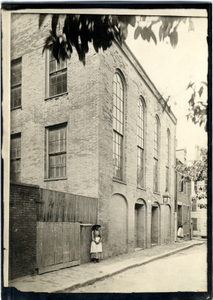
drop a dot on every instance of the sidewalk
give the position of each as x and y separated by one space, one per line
75 277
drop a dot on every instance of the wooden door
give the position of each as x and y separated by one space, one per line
58 245
86 238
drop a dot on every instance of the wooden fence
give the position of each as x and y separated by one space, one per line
58 245
57 206
61 241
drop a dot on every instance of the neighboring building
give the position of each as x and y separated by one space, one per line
182 198
199 204
100 130
199 209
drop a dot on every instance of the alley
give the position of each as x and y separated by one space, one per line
184 271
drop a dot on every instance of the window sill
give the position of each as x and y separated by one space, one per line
56 96
156 193
17 107
55 179
141 188
118 181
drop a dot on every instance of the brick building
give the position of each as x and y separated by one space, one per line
183 198
101 130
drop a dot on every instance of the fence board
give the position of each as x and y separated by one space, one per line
39 245
77 240
51 244
86 237
72 243
58 243
66 242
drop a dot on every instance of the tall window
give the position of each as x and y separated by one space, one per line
56 151
156 154
16 83
118 126
15 157
57 76
181 184
167 158
140 144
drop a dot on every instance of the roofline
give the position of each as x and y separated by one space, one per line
148 81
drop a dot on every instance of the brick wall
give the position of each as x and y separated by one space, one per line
77 108
87 109
22 240
136 85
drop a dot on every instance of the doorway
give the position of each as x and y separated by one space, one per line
179 221
155 225
140 225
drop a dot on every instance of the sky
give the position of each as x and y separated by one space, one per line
172 69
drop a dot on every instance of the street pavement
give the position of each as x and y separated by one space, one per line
79 276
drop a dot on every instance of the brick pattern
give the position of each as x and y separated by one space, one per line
22 240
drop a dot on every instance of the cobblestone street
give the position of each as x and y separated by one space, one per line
188 273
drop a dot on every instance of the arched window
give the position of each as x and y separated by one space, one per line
167 158
156 154
118 126
140 144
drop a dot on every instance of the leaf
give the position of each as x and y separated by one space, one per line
137 32
200 92
160 32
48 43
190 85
153 36
167 28
191 101
191 25
41 19
123 31
54 24
132 21
145 34
173 38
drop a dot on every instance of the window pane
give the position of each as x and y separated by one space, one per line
53 79
59 88
15 96
15 158
53 90
16 74
57 145
15 147
52 66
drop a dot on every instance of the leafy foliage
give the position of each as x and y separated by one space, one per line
197 110
197 171
80 30
101 30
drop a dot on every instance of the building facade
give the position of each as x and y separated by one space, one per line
199 208
183 198
101 130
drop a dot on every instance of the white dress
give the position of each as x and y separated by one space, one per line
96 247
180 232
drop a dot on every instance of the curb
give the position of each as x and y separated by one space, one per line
102 277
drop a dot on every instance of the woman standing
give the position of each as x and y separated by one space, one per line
180 233
96 244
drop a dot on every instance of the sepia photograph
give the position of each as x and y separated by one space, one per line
106 122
